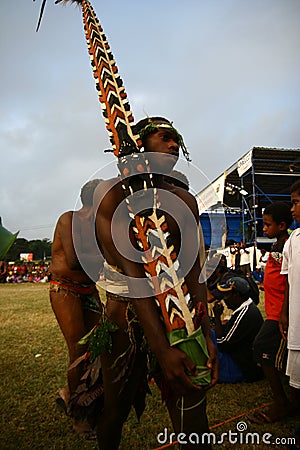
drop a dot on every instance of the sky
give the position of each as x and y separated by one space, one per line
225 71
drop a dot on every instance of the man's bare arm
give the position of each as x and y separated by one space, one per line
64 232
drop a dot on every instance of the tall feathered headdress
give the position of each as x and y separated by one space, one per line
170 289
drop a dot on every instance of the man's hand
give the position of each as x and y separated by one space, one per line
283 325
284 315
175 364
218 309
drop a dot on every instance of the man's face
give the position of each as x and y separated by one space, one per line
295 199
271 229
232 299
163 149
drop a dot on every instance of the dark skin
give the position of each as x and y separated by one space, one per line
284 321
2 270
282 406
173 362
283 326
284 318
232 300
73 319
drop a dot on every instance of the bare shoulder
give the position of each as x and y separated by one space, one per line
188 198
108 194
65 218
63 224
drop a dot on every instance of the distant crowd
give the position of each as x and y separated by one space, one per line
24 272
238 256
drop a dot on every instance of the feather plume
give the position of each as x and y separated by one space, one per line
118 119
56 3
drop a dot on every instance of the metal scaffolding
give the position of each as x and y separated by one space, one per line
260 177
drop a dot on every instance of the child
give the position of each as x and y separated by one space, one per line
269 347
290 315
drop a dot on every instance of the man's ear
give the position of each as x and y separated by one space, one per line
283 226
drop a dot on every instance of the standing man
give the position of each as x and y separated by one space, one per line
162 220
137 316
75 267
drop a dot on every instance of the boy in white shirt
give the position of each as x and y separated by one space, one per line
290 314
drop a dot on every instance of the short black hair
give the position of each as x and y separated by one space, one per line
87 192
280 212
295 187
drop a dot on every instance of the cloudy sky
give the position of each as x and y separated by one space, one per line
225 71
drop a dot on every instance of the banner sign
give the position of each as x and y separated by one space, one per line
26 256
244 163
211 195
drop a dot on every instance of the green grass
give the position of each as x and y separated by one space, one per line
30 418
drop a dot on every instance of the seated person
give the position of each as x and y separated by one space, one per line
235 338
258 275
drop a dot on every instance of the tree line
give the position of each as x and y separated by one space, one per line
41 249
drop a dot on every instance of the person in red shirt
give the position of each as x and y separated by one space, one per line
269 347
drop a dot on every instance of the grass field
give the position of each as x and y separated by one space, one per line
33 367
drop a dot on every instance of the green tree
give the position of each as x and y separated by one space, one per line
39 248
20 245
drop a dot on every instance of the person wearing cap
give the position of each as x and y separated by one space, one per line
235 338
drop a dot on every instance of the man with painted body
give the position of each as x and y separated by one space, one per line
118 246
